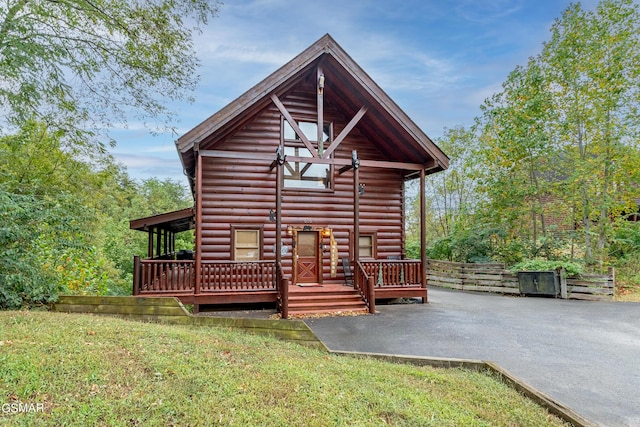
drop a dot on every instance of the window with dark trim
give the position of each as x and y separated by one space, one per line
246 243
367 246
308 176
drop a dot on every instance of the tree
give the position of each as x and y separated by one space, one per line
560 143
451 197
517 156
64 219
151 197
81 65
593 64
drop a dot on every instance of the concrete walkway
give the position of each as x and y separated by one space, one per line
585 355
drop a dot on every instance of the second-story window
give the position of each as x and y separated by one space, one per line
301 174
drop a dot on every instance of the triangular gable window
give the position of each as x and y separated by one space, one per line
305 175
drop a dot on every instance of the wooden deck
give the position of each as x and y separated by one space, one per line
230 282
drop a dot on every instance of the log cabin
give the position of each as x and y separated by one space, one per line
299 196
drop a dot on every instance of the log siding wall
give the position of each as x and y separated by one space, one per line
242 192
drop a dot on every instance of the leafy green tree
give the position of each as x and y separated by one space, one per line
151 197
517 156
65 218
35 230
451 195
559 144
21 281
593 63
54 203
81 66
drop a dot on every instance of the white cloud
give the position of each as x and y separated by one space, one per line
142 166
487 11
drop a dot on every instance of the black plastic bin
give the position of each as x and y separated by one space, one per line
539 283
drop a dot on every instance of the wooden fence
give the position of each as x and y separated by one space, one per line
494 278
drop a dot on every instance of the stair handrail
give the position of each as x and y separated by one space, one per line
366 287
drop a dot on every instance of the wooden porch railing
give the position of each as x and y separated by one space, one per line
364 283
153 276
238 276
172 276
394 273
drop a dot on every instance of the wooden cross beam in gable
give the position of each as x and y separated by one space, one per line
294 125
354 121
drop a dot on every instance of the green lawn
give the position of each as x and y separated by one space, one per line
87 370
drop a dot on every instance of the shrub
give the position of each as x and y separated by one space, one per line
572 268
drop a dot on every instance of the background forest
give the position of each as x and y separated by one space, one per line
64 219
550 171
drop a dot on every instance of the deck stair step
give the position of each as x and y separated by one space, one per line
324 299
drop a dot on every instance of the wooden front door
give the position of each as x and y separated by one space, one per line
307 264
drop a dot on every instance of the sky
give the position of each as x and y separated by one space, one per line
437 59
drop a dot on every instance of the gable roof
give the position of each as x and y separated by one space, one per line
347 86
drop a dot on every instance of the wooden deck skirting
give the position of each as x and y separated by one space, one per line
171 311
492 277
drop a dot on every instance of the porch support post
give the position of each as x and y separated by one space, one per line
158 242
320 102
283 283
198 260
136 275
150 244
423 235
165 240
280 165
356 216
371 296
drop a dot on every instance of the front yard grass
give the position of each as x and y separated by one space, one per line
88 370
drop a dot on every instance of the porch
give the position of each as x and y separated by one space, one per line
233 282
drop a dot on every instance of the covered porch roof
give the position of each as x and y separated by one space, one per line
175 222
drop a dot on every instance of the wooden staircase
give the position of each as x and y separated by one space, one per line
324 299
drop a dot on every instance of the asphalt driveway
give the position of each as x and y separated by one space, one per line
585 355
